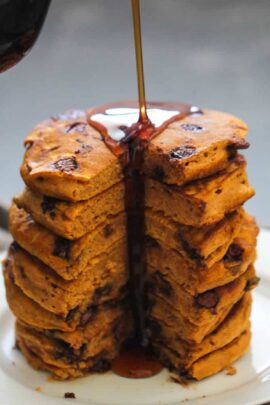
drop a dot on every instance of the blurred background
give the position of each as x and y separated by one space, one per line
215 54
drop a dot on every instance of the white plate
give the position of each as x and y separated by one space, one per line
250 386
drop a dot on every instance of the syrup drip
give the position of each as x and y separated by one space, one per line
136 363
127 131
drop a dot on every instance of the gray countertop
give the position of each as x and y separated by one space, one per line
215 54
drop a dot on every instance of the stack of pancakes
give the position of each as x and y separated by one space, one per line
67 272
201 245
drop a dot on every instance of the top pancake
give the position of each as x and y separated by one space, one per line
195 147
67 159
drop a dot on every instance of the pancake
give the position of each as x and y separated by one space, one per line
202 309
65 360
106 275
205 245
189 326
197 146
67 258
34 315
66 158
202 202
174 269
213 362
232 327
73 220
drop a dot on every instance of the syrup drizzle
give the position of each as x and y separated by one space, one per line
127 131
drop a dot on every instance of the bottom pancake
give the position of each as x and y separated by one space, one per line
213 362
187 354
70 355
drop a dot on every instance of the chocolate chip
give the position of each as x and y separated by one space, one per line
66 164
208 299
234 253
62 247
182 152
71 314
158 173
192 252
48 204
76 127
108 230
14 246
101 366
252 283
192 127
151 242
83 149
69 395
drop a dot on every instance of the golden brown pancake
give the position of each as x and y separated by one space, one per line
202 202
73 220
66 158
68 258
195 147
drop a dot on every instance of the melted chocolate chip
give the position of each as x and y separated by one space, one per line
235 253
66 164
108 230
158 173
69 395
62 247
182 152
48 204
208 299
192 127
76 127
